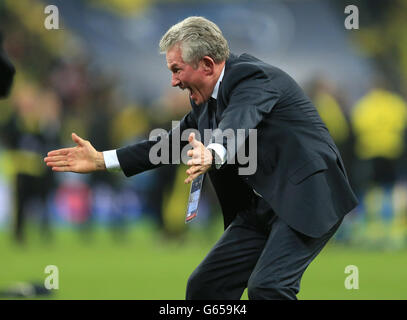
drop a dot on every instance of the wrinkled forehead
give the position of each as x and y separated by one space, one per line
174 57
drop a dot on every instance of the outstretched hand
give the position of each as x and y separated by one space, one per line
201 159
81 159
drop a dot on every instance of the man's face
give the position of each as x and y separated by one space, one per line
185 76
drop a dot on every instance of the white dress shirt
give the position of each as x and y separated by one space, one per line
220 151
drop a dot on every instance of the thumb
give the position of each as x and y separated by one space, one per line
192 141
78 140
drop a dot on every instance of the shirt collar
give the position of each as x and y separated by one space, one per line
216 89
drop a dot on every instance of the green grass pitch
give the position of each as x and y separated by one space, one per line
146 266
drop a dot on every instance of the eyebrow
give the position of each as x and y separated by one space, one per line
171 67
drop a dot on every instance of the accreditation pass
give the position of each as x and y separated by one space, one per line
194 195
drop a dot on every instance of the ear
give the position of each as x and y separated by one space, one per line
208 65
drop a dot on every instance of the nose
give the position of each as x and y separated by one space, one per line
175 81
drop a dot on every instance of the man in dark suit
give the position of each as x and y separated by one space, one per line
278 218
6 71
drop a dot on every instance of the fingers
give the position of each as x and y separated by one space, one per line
58 163
62 169
195 161
197 152
61 163
191 177
57 157
54 158
59 152
193 170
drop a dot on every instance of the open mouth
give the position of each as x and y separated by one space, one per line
191 92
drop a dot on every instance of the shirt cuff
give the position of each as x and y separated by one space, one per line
220 154
111 161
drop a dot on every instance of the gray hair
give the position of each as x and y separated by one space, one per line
197 37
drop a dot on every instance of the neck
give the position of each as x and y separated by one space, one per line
217 72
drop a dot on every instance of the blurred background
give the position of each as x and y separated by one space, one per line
101 76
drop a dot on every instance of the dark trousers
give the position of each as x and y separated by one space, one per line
258 251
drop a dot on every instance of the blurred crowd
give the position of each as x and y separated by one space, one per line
371 135
64 94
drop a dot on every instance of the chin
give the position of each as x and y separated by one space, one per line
197 101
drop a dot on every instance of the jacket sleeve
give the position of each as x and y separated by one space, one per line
161 148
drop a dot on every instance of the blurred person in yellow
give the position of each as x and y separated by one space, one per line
25 134
279 217
379 121
332 106
323 94
7 71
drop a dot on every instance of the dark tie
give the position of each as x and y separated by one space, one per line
212 113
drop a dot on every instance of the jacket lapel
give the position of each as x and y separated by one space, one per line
202 110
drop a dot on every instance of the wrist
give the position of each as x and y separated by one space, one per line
100 162
219 154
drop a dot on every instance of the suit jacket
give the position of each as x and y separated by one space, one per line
300 172
6 72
